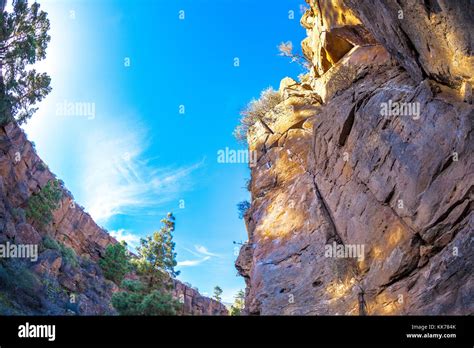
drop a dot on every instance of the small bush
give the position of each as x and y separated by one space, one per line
50 243
243 207
128 302
248 185
41 205
15 276
285 49
19 214
258 110
68 254
159 303
135 300
41 166
132 285
116 262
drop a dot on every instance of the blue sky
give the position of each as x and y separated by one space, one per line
136 157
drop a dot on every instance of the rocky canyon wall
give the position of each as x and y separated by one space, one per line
347 167
57 286
196 304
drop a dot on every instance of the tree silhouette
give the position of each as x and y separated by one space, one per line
217 293
23 41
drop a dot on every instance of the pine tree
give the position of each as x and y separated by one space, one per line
135 299
155 267
23 41
157 258
217 293
239 303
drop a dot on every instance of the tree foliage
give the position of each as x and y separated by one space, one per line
136 299
23 41
242 208
116 262
41 205
239 303
285 49
217 293
155 267
159 303
68 254
258 110
156 256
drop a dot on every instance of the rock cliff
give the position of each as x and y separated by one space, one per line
371 151
196 304
57 282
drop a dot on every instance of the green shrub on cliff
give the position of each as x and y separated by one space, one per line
159 303
42 204
127 301
243 208
68 254
50 243
23 41
116 262
285 49
17 278
18 214
137 299
258 110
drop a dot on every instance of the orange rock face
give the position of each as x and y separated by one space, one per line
380 164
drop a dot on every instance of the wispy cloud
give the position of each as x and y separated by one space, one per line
123 235
190 263
203 250
119 180
200 251
192 252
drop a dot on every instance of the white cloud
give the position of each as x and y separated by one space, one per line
117 180
203 250
122 235
192 252
190 263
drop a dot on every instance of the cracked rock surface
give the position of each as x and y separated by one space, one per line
339 170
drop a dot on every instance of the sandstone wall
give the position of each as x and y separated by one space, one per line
23 173
337 171
196 304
